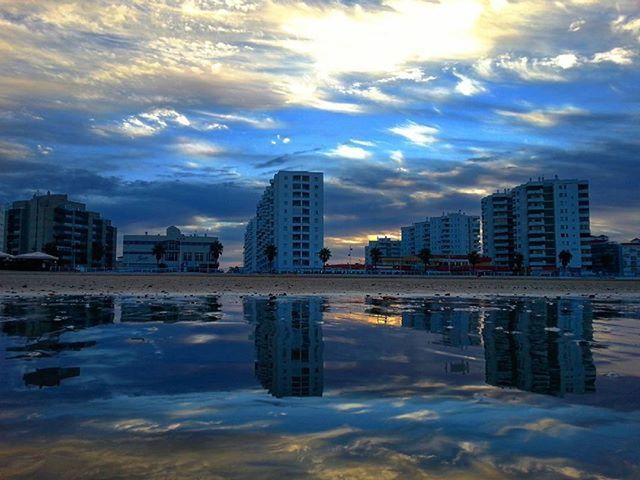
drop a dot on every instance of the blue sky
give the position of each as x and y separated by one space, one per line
178 112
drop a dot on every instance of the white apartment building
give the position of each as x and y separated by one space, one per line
289 216
449 234
543 218
183 252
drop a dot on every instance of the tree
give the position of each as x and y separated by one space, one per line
375 254
565 257
271 252
159 251
325 255
518 262
215 252
97 251
51 249
425 256
474 259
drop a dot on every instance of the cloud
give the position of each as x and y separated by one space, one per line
618 55
545 118
364 143
198 148
415 133
261 123
145 124
347 151
13 151
467 86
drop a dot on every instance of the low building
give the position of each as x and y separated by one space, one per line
182 252
605 256
630 258
79 238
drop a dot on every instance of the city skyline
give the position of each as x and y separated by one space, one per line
178 113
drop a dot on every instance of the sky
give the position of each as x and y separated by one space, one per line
178 112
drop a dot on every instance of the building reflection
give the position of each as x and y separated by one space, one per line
49 377
288 343
541 347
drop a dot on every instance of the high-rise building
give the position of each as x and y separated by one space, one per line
448 234
543 218
289 217
82 238
182 252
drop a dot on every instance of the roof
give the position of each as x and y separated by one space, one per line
35 256
4 255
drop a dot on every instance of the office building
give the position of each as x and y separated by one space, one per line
630 258
83 239
182 252
448 234
543 218
290 217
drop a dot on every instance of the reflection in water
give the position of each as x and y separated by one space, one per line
49 377
541 347
289 346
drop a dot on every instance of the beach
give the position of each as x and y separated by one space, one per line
60 283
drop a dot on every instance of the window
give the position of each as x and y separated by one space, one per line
199 256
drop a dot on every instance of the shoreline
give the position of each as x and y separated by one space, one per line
176 284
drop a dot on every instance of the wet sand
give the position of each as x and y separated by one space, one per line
32 283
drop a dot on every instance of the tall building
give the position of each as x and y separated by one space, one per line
543 218
448 234
388 247
82 238
289 345
497 228
182 252
289 216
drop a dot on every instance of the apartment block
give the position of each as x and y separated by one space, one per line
539 219
289 216
389 248
82 238
449 234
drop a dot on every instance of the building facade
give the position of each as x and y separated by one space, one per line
290 217
630 257
448 234
83 239
605 256
543 218
389 248
182 252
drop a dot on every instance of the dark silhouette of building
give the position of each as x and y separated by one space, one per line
82 238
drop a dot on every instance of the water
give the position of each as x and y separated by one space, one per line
309 387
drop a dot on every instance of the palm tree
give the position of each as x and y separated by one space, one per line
158 251
376 255
271 251
518 262
215 252
325 255
425 256
565 257
474 259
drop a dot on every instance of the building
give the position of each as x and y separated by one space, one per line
182 252
82 238
389 248
497 228
289 345
448 234
290 217
543 218
630 257
605 256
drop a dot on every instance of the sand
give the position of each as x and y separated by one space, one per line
33 284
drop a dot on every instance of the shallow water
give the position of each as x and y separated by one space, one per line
310 387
